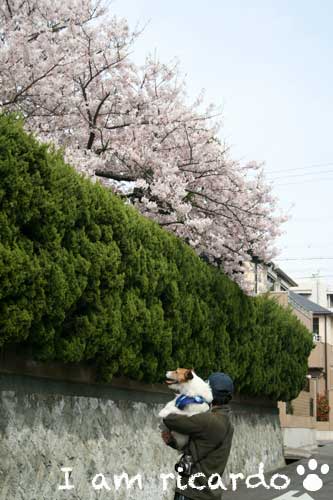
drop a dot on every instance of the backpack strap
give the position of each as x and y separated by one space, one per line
206 454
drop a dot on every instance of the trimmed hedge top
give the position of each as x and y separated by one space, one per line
84 277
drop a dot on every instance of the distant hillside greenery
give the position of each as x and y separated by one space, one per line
85 278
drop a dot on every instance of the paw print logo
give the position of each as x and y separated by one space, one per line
312 481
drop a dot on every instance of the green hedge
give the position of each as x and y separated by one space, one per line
84 277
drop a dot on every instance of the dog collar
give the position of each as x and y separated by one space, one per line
183 401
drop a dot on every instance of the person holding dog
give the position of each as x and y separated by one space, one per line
210 437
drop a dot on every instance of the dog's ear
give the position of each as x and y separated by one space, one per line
189 374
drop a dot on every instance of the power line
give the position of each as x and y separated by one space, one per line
303 182
307 258
306 277
302 168
304 174
310 219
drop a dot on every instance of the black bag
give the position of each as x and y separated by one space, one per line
184 466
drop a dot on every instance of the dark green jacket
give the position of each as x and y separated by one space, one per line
206 431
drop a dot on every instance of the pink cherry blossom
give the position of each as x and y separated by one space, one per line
66 67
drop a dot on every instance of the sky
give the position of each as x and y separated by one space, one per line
268 66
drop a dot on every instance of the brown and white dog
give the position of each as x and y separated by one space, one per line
186 383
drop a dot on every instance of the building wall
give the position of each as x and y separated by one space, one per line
47 424
301 405
250 278
328 321
317 356
316 290
284 300
280 297
263 278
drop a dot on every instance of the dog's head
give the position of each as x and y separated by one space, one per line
186 381
175 379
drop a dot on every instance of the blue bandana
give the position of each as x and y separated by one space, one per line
183 401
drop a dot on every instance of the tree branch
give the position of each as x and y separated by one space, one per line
115 176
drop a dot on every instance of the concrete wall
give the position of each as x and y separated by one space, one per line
47 424
324 431
300 437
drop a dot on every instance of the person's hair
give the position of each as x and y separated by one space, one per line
223 400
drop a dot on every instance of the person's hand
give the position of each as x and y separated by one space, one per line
166 436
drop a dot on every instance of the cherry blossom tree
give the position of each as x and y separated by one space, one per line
66 67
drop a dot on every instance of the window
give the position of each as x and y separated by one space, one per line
270 283
330 300
315 329
289 408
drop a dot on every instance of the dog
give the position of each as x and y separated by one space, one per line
194 396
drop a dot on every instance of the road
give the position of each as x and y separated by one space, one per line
314 474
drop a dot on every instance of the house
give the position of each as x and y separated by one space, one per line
316 295
317 290
299 417
321 358
262 278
